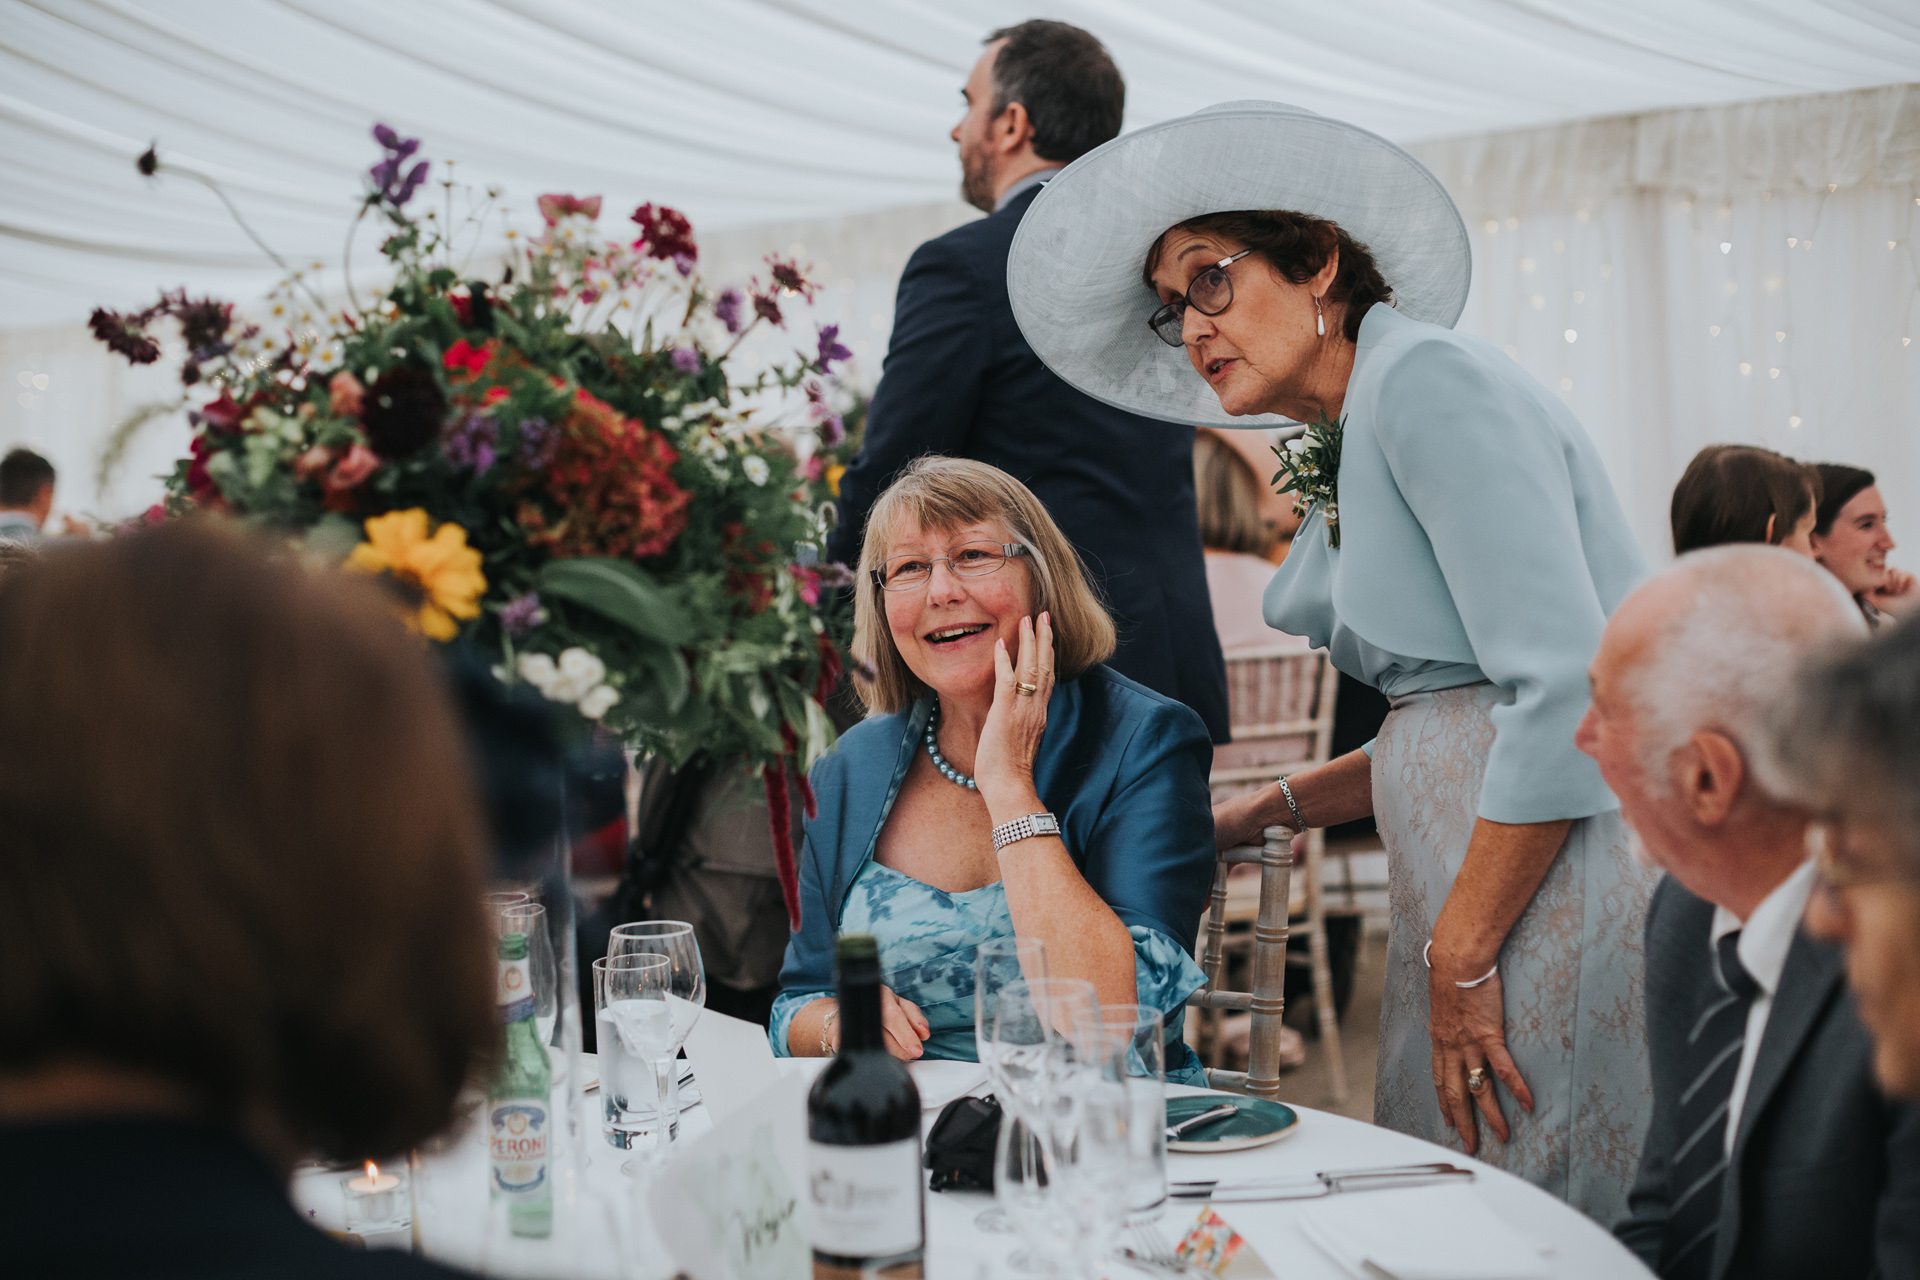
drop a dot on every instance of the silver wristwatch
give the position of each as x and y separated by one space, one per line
1034 824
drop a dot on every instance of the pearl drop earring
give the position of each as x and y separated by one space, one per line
1319 319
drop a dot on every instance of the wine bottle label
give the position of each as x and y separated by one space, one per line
866 1200
515 996
517 1147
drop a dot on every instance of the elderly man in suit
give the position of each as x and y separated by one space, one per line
960 380
1771 1152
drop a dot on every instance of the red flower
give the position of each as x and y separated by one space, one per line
608 489
200 485
808 582
352 470
312 462
344 394
462 306
464 355
665 233
495 395
555 207
222 415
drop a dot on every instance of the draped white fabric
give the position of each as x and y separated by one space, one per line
819 128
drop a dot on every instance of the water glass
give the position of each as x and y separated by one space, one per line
1030 1047
635 1028
1132 1054
686 989
997 963
530 918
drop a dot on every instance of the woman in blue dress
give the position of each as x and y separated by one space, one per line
1004 784
1256 263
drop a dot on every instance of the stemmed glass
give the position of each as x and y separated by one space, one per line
634 1024
686 996
1034 1055
998 963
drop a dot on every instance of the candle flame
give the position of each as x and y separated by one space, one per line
373 1172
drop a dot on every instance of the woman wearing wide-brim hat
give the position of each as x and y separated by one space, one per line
1255 263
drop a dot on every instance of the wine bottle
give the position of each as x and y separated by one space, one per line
517 1102
863 1140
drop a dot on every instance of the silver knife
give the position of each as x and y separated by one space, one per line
1320 1184
1221 1112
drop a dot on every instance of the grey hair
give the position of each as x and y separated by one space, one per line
1847 739
1733 652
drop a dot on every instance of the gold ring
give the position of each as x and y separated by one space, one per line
1477 1080
1026 690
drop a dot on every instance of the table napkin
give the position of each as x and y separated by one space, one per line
1419 1233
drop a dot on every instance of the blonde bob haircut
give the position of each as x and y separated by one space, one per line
951 493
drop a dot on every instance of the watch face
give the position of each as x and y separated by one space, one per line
1045 824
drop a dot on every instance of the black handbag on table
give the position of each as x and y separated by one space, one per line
960 1145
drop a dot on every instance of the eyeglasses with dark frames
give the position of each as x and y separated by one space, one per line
967 559
1209 293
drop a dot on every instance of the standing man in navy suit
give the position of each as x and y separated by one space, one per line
960 380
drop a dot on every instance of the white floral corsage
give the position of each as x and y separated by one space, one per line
1310 470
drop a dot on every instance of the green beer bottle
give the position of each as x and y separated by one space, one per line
519 1123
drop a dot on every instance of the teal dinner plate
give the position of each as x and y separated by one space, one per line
1257 1123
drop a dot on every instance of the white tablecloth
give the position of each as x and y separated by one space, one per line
603 1229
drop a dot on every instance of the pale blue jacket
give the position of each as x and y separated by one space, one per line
1480 538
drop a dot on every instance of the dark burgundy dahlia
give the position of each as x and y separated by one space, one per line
402 412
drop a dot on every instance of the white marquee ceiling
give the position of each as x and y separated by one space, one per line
749 111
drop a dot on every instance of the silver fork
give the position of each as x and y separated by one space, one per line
1150 1246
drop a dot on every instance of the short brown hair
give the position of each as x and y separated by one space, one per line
1066 80
1229 498
239 841
1297 246
949 493
23 473
1729 492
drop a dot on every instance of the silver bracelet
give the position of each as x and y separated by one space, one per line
826 1032
1299 823
1464 986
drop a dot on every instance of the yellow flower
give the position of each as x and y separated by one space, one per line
442 570
833 478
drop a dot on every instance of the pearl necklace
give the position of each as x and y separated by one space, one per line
947 771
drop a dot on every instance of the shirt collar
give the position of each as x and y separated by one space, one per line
1768 933
1033 179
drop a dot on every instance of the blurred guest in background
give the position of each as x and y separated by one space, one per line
960 380
26 495
1850 538
1771 1153
242 859
1739 493
1847 745
1239 544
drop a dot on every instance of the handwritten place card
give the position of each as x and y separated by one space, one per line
732 1062
729 1205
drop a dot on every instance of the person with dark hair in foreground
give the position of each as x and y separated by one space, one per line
1740 493
1850 538
242 859
960 380
1771 1152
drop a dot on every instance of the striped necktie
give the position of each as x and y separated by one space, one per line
1698 1166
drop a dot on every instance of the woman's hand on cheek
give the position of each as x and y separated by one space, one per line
1003 763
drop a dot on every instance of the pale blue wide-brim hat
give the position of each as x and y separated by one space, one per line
1074 273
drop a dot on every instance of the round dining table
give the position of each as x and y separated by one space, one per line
603 1228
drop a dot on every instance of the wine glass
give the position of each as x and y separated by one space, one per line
997 963
1126 1044
634 1025
530 918
1030 1049
1026 1188
686 992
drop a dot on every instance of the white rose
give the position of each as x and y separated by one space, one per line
1296 445
756 468
537 669
582 667
599 701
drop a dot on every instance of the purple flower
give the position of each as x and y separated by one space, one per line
683 263
387 182
522 614
832 430
686 359
469 442
536 443
727 308
830 348
834 574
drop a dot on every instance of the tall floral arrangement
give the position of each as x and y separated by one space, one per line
552 465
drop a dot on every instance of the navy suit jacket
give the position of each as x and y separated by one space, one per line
1825 1177
961 381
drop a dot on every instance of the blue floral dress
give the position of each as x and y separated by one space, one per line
927 942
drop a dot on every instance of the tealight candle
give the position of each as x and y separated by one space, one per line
375 1201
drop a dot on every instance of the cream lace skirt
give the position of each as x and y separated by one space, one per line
1572 968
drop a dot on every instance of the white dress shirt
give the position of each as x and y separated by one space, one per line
1764 941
